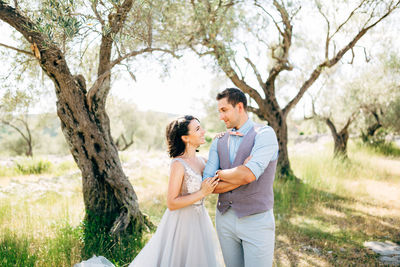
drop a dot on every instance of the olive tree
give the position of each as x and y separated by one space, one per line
261 46
59 33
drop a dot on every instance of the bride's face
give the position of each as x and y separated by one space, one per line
196 133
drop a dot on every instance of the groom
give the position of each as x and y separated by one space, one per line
244 218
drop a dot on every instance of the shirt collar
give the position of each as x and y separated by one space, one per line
245 127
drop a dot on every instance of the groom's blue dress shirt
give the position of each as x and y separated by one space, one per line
264 150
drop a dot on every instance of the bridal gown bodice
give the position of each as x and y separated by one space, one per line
191 181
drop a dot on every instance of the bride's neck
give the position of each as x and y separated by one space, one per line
190 152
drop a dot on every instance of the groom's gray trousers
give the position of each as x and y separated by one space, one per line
247 241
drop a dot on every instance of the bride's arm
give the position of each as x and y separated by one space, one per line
174 201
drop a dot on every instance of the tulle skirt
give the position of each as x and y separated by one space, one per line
184 237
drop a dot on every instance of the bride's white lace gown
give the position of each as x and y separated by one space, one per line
184 237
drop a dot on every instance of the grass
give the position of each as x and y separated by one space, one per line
321 221
36 166
338 206
32 166
44 232
14 251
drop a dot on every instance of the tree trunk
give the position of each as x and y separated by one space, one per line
366 137
122 144
111 205
340 148
278 123
29 152
340 140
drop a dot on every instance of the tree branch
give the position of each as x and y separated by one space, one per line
327 38
331 62
18 50
253 109
17 129
331 126
352 117
95 88
282 61
94 8
259 79
348 18
142 51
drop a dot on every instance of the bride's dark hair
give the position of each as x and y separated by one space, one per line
174 132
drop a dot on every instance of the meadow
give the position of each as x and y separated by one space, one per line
323 220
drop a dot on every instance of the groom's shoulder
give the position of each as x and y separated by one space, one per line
265 132
263 128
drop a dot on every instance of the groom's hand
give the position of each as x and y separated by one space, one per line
219 135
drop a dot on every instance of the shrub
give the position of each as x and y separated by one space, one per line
32 166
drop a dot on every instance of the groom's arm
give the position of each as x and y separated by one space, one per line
223 187
264 150
212 164
239 175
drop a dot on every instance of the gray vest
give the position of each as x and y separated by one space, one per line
252 198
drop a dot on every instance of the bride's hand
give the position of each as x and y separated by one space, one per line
208 185
219 135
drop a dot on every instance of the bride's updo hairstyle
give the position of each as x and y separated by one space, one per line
174 132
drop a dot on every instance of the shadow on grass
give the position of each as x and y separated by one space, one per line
306 232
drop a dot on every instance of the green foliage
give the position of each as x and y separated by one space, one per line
380 146
59 250
57 21
32 166
67 240
14 145
388 149
98 241
14 251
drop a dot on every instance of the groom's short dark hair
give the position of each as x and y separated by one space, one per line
234 96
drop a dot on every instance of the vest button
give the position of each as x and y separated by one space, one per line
230 202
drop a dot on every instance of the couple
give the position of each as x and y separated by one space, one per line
241 168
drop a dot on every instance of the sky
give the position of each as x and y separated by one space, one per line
181 92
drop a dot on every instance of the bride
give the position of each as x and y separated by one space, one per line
185 235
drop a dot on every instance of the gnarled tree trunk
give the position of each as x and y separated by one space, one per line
111 204
340 138
366 137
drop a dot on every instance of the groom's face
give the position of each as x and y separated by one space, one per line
228 113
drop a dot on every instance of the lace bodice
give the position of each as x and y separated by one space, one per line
191 180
